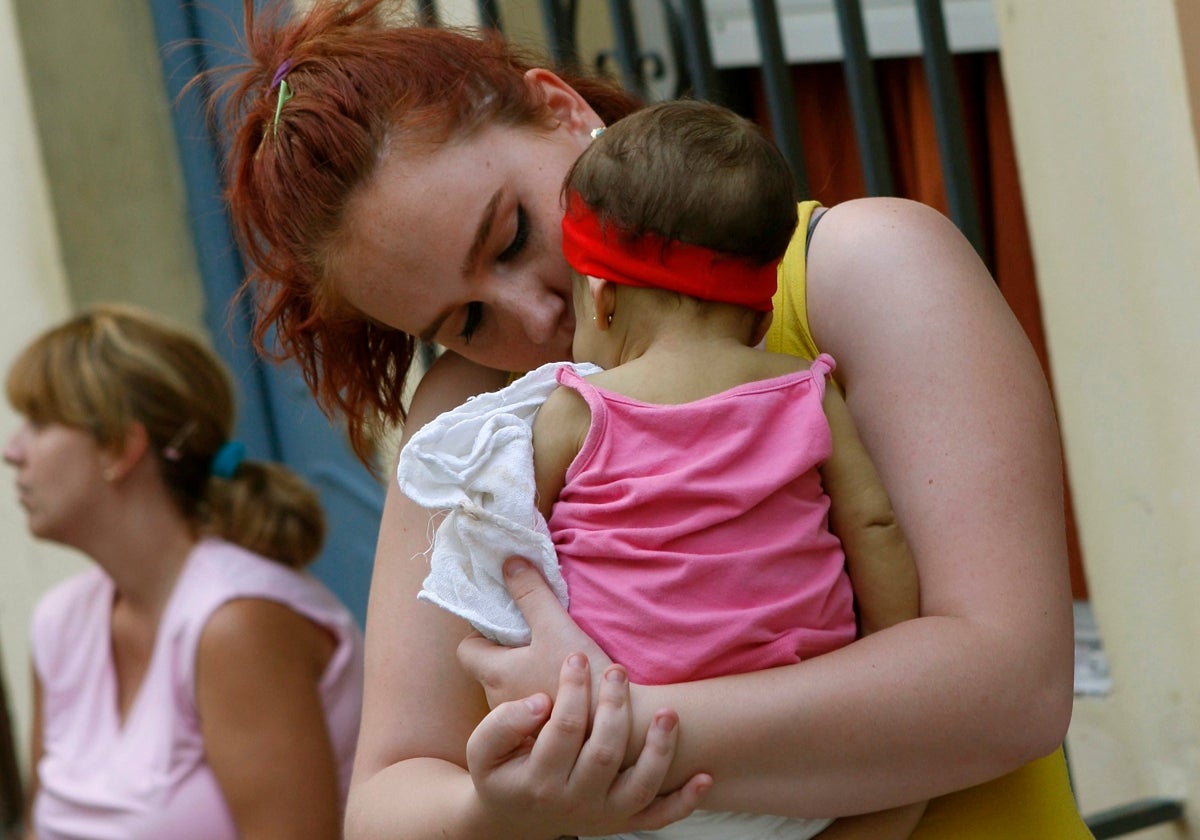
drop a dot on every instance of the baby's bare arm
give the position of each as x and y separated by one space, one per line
558 432
878 557
882 571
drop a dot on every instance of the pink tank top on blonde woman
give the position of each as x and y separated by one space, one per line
146 777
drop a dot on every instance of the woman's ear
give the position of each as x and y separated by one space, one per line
569 109
122 461
604 301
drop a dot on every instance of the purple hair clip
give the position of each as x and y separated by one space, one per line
284 67
285 92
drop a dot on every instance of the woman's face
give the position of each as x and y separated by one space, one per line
460 244
59 471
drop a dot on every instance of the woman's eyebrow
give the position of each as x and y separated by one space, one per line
482 232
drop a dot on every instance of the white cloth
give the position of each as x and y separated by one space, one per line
717 825
476 462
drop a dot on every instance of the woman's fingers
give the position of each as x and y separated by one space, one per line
512 673
534 597
638 786
534 762
559 743
601 757
674 806
508 730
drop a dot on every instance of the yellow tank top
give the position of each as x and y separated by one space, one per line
1034 801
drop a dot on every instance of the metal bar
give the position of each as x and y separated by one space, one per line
864 99
777 82
427 12
698 50
489 14
559 23
948 122
625 46
1135 816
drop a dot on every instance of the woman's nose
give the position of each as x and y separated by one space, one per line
540 312
14 449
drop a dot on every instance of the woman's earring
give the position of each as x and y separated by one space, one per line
610 319
597 131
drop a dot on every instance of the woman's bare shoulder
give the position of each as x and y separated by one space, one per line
449 382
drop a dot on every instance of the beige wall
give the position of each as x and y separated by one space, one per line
1105 129
33 288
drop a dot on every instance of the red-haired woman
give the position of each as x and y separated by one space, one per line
397 185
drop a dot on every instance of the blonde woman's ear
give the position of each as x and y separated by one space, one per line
133 448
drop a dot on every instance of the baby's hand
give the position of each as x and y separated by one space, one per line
540 771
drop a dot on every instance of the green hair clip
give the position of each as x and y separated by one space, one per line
285 93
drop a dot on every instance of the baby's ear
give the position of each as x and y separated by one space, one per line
604 300
760 329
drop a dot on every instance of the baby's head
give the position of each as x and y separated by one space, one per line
689 172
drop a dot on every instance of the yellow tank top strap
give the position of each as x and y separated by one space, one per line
789 332
1034 801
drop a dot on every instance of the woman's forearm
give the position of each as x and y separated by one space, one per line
415 799
910 713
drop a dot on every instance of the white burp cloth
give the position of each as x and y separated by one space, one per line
720 825
476 463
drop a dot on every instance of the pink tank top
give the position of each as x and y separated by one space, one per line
147 778
694 538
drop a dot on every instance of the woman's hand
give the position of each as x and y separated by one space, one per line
538 768
508 674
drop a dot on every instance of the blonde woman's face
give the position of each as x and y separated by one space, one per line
60 472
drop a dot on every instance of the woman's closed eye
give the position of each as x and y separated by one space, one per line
520 237
471 322
474 312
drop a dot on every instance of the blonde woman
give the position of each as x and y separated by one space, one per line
194 682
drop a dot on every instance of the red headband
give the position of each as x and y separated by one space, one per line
652 262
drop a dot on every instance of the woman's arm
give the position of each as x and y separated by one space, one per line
258 666
424 717
954 410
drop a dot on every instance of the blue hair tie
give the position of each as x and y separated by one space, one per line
228 458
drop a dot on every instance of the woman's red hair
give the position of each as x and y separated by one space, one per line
356 76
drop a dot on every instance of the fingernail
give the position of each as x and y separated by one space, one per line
577 660
512 568
537 703
665 722
615 675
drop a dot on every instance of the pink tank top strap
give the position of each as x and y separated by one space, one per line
821 368
569 378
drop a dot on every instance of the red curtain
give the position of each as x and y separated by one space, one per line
835 173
